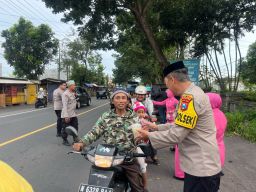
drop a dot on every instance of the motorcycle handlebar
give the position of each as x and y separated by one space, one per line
138 155
76 152
126 155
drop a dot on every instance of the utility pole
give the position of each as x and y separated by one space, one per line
1 69
59 64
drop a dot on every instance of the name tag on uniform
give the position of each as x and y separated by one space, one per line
186 115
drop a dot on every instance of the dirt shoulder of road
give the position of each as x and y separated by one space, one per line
239 169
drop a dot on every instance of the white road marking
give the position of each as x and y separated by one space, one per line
24 112
44 128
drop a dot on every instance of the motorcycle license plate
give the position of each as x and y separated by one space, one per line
92 188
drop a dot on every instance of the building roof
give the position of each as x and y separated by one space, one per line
51 80
7 80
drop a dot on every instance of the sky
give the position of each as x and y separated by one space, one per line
37 13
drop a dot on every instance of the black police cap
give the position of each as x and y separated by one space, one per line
173 67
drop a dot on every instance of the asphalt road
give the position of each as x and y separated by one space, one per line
40 157
28 143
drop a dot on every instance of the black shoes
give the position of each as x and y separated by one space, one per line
172 149
58 135
155 161
178 178
66 143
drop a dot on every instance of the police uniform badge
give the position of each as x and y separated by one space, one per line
186 115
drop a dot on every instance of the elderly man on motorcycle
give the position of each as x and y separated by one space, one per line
115 127
41 98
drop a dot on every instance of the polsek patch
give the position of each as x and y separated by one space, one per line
186 115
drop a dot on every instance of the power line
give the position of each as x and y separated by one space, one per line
5 9
11 8
51 15
22 14
18 7
29 12
32 18
7 24
35 12
46 19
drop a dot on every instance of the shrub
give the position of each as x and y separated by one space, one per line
243 124
235 121
248 95
249 131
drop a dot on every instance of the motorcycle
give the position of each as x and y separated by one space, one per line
40 103
106 174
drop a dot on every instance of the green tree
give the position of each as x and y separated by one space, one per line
216 22
134 61
98 20
135 57
249 66
83 64
163 23
28 48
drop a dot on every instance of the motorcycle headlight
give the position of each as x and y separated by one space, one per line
103 161
117 162
91 158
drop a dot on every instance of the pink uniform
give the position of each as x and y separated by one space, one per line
220 122
170 104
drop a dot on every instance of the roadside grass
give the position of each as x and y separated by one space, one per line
242 123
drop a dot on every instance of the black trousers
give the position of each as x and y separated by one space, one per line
153 151
73 122
201 184
59 121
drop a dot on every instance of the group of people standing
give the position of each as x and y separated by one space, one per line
64 100
143 106
220 121
194 129
195 125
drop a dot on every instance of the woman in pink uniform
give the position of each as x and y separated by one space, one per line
220 122
171 102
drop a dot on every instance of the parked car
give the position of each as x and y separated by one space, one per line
102 92
131 86
83 98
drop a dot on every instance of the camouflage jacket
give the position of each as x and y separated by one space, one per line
114 129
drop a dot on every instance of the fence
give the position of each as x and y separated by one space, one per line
235 101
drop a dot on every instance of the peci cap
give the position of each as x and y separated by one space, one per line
70 82
119 91
173 67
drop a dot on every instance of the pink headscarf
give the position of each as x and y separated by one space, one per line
169 93
138 105
220 122
215 100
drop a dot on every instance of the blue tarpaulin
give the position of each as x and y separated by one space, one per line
90 85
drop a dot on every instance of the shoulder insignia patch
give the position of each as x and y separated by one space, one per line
186 115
